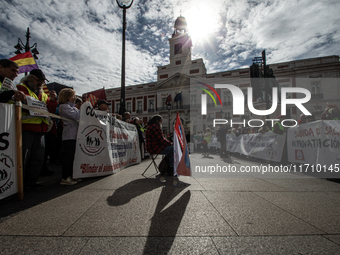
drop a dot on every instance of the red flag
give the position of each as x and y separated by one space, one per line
93 99
46 90
168 99
25 62
100 94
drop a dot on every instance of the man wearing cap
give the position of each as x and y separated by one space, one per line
103 105
278 128
33 129
9 69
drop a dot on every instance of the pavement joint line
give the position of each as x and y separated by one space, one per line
325 236
198 183
215 245
82 215
220 214
288 212
81 250
177 236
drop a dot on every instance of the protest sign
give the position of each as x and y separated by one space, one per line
316 143
105 145
267 146
8 173
7 84
40 105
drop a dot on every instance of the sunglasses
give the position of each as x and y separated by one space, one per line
39 81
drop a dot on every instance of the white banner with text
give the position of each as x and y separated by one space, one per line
8 172
105 145
316 143
267 146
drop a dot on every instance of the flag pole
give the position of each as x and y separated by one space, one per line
18 143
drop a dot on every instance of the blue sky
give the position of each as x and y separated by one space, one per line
80 41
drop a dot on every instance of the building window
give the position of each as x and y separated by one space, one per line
163 103
226 98
128 107
178 48
194 71
316 90
288 95
139 106
178 62
210 102
151 105
163 76
316 87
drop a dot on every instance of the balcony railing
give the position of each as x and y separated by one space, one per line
151 110
139 111
317 96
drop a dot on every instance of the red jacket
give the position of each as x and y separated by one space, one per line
155 141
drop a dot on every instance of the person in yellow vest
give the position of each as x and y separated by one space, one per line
205 141
10 70
278 128
33 129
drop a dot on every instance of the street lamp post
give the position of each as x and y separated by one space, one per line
124 4
21 46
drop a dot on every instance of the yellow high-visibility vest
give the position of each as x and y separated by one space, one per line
28 119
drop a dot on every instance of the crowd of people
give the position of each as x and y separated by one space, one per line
201 139
53 139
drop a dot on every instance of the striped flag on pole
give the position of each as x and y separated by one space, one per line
25 62
93 99
46 90
181 152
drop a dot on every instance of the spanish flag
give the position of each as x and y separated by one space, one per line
25 62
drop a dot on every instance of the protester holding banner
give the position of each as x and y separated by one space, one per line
78 102
332 112
127 117
9 70
156 143
67 109
103 105
33 129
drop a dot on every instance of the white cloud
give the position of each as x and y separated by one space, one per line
80 41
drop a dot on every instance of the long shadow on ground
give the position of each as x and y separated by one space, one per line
164 222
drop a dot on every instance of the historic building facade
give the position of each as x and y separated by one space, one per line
185 76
